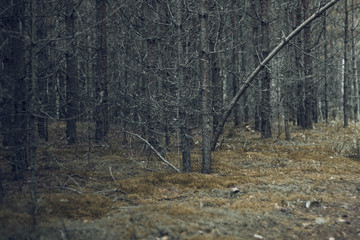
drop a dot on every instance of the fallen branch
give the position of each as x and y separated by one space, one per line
66 188
110 191
111 174
157 153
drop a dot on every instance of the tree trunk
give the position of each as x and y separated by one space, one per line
308 69
346 81
71 74
235 59
101 111
182 93
205 80
154 111
217 85
256 59
354 63
300 113
326 100
266 79
15 102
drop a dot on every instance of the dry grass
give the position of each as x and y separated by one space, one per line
275 178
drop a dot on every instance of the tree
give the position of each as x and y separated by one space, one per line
42 69
308 69
326 100
346 66
256 49
15 103
265 110
101 111
354 73
205 87
183 112
71 73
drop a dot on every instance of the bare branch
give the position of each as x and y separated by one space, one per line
157 153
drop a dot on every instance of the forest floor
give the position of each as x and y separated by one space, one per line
305 188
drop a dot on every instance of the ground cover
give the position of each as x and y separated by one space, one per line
306 188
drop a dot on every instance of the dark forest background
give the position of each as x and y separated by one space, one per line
164 70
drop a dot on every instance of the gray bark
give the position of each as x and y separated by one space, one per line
101 112
205 85
71 74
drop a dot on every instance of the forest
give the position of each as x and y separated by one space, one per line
179 119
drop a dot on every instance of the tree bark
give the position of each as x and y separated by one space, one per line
101 84
326 100
256 59
265 108
354 63
183 114
299 65
235 59
15 102
308 69
205 87
71 74
346 66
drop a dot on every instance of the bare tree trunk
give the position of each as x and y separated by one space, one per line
308 69
287 85
205 78
15 102
182 93
346 76
354 63
300 113
217 84
71 74
235 60
101 84
256 59
34 94
266 78
154 111
326 100
42 59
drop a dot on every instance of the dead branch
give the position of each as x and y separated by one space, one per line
66 188
110 191
157 153
111 174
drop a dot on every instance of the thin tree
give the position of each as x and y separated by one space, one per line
308 72
101 84
346 66
182 93
256 50
354 73
71 73
326 98
205 87
300 114
265 108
